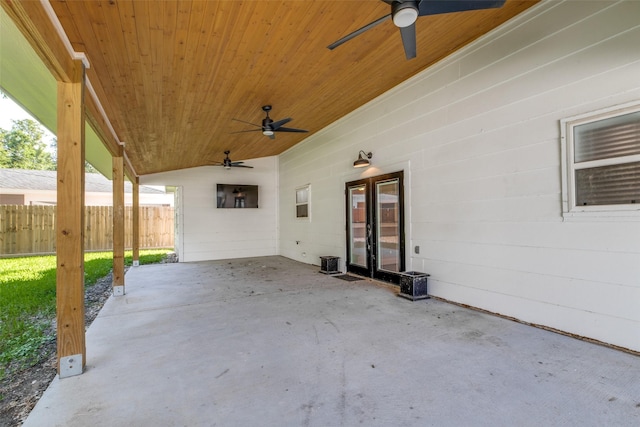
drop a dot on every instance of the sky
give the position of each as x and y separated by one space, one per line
10 110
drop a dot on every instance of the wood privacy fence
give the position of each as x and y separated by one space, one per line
28 229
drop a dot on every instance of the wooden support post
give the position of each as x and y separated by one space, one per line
70 226
118 225
135 228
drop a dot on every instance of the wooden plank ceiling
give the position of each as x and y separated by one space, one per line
172 75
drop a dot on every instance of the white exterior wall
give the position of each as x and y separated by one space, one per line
208 233
478 137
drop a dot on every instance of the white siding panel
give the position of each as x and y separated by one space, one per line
611 268
619 301
539 208
595 325
602 236
478 137
557 16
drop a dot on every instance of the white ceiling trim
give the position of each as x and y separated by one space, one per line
63 36
93 94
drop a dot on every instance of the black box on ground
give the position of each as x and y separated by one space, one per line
329 264
413 285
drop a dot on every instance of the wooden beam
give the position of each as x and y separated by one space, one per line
135 229
101 127
118 225
33 21
129 171
70 226
99 122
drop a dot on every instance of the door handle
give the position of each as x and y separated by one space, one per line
368 237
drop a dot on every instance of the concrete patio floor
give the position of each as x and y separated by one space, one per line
272 342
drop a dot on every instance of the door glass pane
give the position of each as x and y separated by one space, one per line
388 225
358 226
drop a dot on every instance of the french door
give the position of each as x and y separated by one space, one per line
375 227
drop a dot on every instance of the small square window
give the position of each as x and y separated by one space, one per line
302 202
601 171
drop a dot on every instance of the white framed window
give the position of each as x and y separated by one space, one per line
601 161
303 202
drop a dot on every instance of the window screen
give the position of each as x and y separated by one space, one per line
609 138
604 169
302 202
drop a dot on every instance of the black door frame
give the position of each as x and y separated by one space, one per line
371 269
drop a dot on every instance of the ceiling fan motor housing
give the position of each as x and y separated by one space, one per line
266 126
266 122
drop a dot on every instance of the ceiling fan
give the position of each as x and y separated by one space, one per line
228 164
269 127
404 14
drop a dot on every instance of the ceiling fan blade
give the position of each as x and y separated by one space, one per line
436 7
236 163
241 166
249 123
290 130
250 130
409 40
276 125
357 32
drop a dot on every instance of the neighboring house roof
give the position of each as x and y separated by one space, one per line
46 180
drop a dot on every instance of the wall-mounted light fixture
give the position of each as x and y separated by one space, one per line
363 160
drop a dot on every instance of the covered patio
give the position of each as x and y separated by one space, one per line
270 341
478 124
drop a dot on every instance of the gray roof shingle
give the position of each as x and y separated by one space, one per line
21 179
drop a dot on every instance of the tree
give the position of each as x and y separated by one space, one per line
22 147
88 168
4 157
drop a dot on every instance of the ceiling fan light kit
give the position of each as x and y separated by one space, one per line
404 14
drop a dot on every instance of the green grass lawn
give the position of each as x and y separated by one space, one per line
28 301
